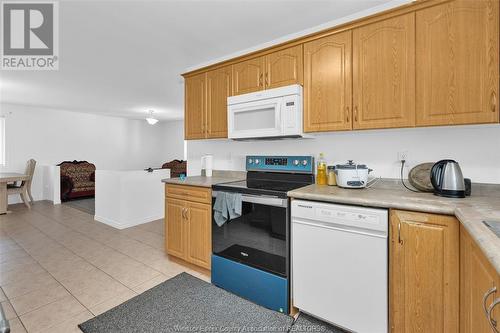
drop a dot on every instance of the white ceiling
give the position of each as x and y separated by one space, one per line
125 57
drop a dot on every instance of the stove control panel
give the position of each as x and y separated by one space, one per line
291 164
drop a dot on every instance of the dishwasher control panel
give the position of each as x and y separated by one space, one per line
375 219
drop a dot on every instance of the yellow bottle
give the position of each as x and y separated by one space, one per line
321 178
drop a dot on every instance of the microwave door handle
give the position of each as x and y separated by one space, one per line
278 110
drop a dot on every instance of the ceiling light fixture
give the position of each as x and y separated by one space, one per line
150 119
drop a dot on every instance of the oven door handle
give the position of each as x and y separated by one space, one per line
265 200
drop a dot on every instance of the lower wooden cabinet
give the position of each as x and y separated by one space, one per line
175 228
199 234
423 273
188 228
479 288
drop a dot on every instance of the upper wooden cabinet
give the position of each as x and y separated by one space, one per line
384 73
328 83
284 67
248 76
477 282
206 104
195 106
457 61
219 88
433 62
277 69
423 273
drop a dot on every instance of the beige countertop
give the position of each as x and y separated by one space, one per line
484 204
218 177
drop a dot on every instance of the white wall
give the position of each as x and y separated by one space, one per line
127 198
476 148
52 136
173 139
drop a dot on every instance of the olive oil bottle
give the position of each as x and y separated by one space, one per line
321 178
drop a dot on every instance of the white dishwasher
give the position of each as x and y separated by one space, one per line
339 264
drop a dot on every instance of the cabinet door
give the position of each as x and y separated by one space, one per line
477 277
384 73
248 76
328 83
457 61
424 273
199 247
195 107
219 88
284 67
175 226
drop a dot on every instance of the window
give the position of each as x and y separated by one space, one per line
2 140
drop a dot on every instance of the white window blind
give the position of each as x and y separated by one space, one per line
2 140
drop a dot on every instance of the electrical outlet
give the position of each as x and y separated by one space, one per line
403 155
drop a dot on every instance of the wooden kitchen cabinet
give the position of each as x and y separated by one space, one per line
195 106
423 273
328 83
199 234
206 104
277 69
384 73
175 229
457 61
284 67
248 76
219 88
433 62
188 224
477 278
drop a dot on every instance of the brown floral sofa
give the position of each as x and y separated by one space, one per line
177 167
77 179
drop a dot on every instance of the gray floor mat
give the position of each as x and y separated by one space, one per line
187 304
306 323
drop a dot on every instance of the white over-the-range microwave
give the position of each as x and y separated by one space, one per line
272 113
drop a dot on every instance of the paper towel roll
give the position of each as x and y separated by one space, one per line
207 164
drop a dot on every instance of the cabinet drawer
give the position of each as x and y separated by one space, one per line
189 193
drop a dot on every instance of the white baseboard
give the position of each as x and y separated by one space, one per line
126 224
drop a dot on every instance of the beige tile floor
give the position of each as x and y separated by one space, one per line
59 267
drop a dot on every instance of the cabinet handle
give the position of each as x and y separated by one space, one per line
356 113
187 214
267 80
400 241
260 79
493 102
485 298
183 211
347 112
493 322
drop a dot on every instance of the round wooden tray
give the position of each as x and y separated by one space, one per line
420 177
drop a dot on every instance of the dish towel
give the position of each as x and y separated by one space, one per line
227 206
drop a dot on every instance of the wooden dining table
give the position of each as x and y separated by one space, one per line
5 178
